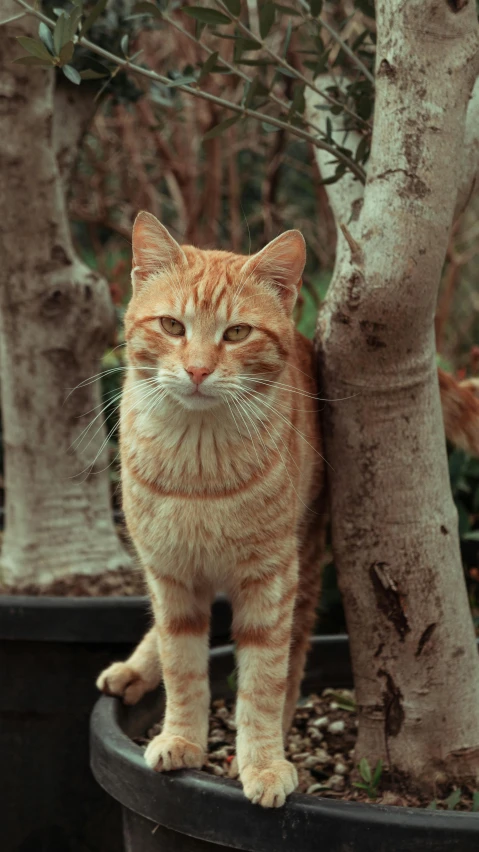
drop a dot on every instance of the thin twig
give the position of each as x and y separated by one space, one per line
198 93
238 71
337 38
284 64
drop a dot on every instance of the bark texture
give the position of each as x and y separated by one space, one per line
55 319
395 534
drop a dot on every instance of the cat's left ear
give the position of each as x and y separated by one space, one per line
281 262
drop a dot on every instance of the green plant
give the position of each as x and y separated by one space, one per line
371 779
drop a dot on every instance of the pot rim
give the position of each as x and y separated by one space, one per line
111 619
185 800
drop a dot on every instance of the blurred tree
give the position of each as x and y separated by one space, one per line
56 318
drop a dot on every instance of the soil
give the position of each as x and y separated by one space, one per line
124 583
321 745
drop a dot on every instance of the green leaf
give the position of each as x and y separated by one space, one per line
453 800
475 801
45 34
72 23
208 66
377 773
92 17
360 785
316 7
266 19
223 125
365 770
34 47
124 44
231 680
146 9
287 40
432 806
270 128
234 6
207 16
66 52
90 74
298 103
362 150
59 38
34 60
472 536
184 80
72 74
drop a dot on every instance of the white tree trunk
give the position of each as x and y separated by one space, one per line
395 535
55 319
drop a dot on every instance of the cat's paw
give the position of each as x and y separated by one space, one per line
269 785
121 680
167 752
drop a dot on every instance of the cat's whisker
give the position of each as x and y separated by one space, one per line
89 468
261 398
75 445
235 402
263 416
236 424
270 383
78 440
102 375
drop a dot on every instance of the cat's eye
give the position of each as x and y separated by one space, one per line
237 333
172 326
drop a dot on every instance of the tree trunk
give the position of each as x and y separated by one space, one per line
55 319
394 523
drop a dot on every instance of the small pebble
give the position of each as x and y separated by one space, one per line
322 756
322 722
340 769
215 769
336 782
315 735
311 761
315 788
334 705
223 713
301 756
336 727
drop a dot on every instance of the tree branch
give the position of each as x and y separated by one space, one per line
198 93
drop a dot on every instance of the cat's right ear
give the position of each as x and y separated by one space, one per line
153 249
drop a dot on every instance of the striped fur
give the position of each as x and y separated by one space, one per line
223 489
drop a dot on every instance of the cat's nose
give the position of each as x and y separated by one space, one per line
198 374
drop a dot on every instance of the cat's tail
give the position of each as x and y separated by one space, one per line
460 409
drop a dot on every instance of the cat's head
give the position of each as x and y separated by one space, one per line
211 324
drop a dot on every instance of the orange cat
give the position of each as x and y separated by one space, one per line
223 489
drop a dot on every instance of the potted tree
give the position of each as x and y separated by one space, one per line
391 336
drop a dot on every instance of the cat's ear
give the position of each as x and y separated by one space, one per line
153 248
281 262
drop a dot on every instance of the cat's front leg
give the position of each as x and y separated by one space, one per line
263 609
182 617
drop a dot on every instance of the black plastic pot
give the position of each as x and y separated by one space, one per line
51 651
191 811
